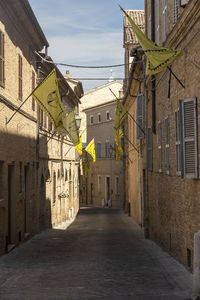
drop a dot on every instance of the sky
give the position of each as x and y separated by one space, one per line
85 32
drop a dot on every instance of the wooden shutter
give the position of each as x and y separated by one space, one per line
149 150
189 138
2 60
140 116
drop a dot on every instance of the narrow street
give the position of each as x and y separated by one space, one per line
102 255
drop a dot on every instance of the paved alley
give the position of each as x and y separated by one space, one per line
102 255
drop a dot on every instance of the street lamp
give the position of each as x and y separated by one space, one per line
78 120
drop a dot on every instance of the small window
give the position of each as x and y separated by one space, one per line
108 116
107 147
117 185
140 116
91 120
2 60
99 184
99 118
98 149
66 175
20 77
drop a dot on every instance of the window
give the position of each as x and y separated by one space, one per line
164 19
41 114
176 10
20 77
33 87
107 147
91 120
49 125
107 116
189 155
140 116
99 117
149 150
2 60
149 28
157 17
167 142
160 147
117 185
98 149
54 187
99 184
66 175
178 146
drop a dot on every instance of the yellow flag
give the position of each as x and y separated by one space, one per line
120 115
119 150
48 98
81 167
91 149
79 146
158 58
70 126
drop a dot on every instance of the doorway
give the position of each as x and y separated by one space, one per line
26 197
107 190
10 204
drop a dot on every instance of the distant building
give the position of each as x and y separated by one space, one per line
104 184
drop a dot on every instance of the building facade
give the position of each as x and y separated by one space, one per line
104 184
33 171
168 161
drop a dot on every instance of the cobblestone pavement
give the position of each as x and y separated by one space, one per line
102 255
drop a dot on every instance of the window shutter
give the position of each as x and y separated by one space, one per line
167 141
176 10
160 146
140 116
189 138
149 150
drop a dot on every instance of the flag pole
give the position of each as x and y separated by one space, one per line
27 98
131 143
18 108
129 113
51 136
176 77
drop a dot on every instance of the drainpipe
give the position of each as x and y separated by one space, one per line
153 79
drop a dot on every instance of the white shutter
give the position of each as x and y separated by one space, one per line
140 116
189 132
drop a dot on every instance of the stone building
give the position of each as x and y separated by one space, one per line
105 178
32 171
169 168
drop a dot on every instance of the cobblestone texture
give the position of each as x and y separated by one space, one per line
102 255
